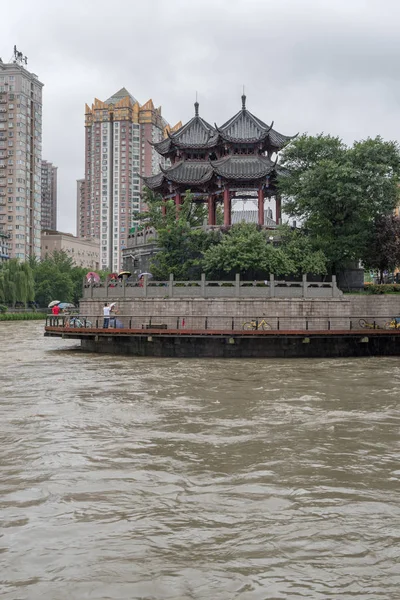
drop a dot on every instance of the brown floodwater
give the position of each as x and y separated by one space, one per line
125 478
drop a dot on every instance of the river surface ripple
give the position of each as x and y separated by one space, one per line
157 479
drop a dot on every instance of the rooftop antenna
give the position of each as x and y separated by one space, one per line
18 58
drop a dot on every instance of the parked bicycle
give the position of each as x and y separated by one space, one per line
367 324
393 324
255 324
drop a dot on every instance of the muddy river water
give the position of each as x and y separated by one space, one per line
124 478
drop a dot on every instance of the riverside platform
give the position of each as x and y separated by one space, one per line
232 343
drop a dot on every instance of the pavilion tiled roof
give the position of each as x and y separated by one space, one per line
243 167
195 172
196 133
188 172
244 127
251 216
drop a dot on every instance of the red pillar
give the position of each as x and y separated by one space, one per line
164 208
260 206
278 206
178 203
227 207
211 210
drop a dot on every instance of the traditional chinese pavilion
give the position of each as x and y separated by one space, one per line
219 164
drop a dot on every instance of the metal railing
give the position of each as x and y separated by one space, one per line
217 323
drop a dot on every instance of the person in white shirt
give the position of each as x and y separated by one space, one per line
106 313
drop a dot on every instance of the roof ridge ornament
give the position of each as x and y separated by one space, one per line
243 100
196 109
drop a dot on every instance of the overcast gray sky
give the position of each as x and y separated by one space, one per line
309 65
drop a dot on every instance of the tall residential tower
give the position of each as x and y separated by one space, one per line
20 157
118 149
49 196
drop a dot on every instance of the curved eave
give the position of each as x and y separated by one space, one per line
164 147
235 140
189 173
154 182
211 143
243 169
278 141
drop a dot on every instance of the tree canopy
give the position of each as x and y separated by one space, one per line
338 192
246 249
383 250
16 283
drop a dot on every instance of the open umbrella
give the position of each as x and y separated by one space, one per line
93 277
112 305
53 303
149 275
124 274
63 305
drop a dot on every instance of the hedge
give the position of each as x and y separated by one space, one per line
382 288
21 316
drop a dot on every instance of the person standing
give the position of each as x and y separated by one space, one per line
106 314
55 311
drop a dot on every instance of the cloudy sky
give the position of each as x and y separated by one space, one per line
309 65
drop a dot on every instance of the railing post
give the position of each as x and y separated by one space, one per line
334 286
237 285
305 286
171 286
272 285
203 285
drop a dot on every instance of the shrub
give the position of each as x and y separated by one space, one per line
382 288
22 316
3 308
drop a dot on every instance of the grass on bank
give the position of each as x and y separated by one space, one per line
22 316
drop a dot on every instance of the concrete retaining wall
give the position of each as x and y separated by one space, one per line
268 346
232 313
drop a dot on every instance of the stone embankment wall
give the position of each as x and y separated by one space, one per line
221 313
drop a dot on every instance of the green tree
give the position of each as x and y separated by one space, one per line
54 278
16 283
191 212
244 249
181 251
180 237
338 192
383 251
298 247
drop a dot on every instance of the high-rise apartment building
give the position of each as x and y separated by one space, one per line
20 157
118 138
49 196
82 225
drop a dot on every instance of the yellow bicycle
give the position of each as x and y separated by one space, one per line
255 324
367 324
393 324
